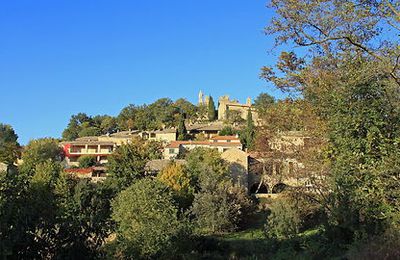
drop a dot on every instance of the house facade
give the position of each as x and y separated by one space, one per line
220 143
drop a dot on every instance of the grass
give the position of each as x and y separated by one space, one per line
252 243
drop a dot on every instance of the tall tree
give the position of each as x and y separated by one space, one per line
248 134
263 102
212 115
351 79
182 132
9 147
39 151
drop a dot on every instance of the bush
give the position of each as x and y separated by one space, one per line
147 220
87 161
291 214
386 246
219 207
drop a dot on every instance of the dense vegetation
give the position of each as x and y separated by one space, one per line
344 95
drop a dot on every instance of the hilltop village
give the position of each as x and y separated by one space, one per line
223 133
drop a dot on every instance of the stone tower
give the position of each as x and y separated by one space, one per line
248 101
206 100
201 101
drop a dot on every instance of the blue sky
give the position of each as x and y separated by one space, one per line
58 58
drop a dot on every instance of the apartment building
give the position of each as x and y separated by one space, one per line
87 146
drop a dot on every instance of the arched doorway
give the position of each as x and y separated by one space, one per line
278 188
257 188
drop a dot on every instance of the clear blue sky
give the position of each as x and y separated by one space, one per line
58 58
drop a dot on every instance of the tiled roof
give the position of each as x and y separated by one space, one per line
164 131
176 144
88 142
158 165
227 137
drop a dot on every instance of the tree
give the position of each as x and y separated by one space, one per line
39 151
176 177
263 102
75 126
212 115
13 189
227 130
248 133
351 81
9 147
187 108
182 133
83 218
218 206
148 224
234 117
199 159
87 161
336 29
105 124
127 117
127 163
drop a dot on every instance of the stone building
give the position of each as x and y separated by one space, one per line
225 104
203 99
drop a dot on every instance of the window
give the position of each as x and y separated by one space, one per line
152 135
228 141
171 150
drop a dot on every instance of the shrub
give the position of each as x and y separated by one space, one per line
147 220
290 214
87 161
218 207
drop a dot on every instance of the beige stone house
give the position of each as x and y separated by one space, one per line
221 143
225 104
166 135
238 166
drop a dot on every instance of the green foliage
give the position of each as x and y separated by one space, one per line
218 206
199 159
84 218
228 130
87 161
13 190
182 132
234 117
187 108
9 147
128 161
162 113
285 220
211 114
39 151
81 125
291 214
51 215
364 133
148 225
176 177
263 102
248 134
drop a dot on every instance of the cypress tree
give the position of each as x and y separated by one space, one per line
182 128
211 110
249 131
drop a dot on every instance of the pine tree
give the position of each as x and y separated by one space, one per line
211 110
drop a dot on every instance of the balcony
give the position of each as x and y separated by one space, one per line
90 150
